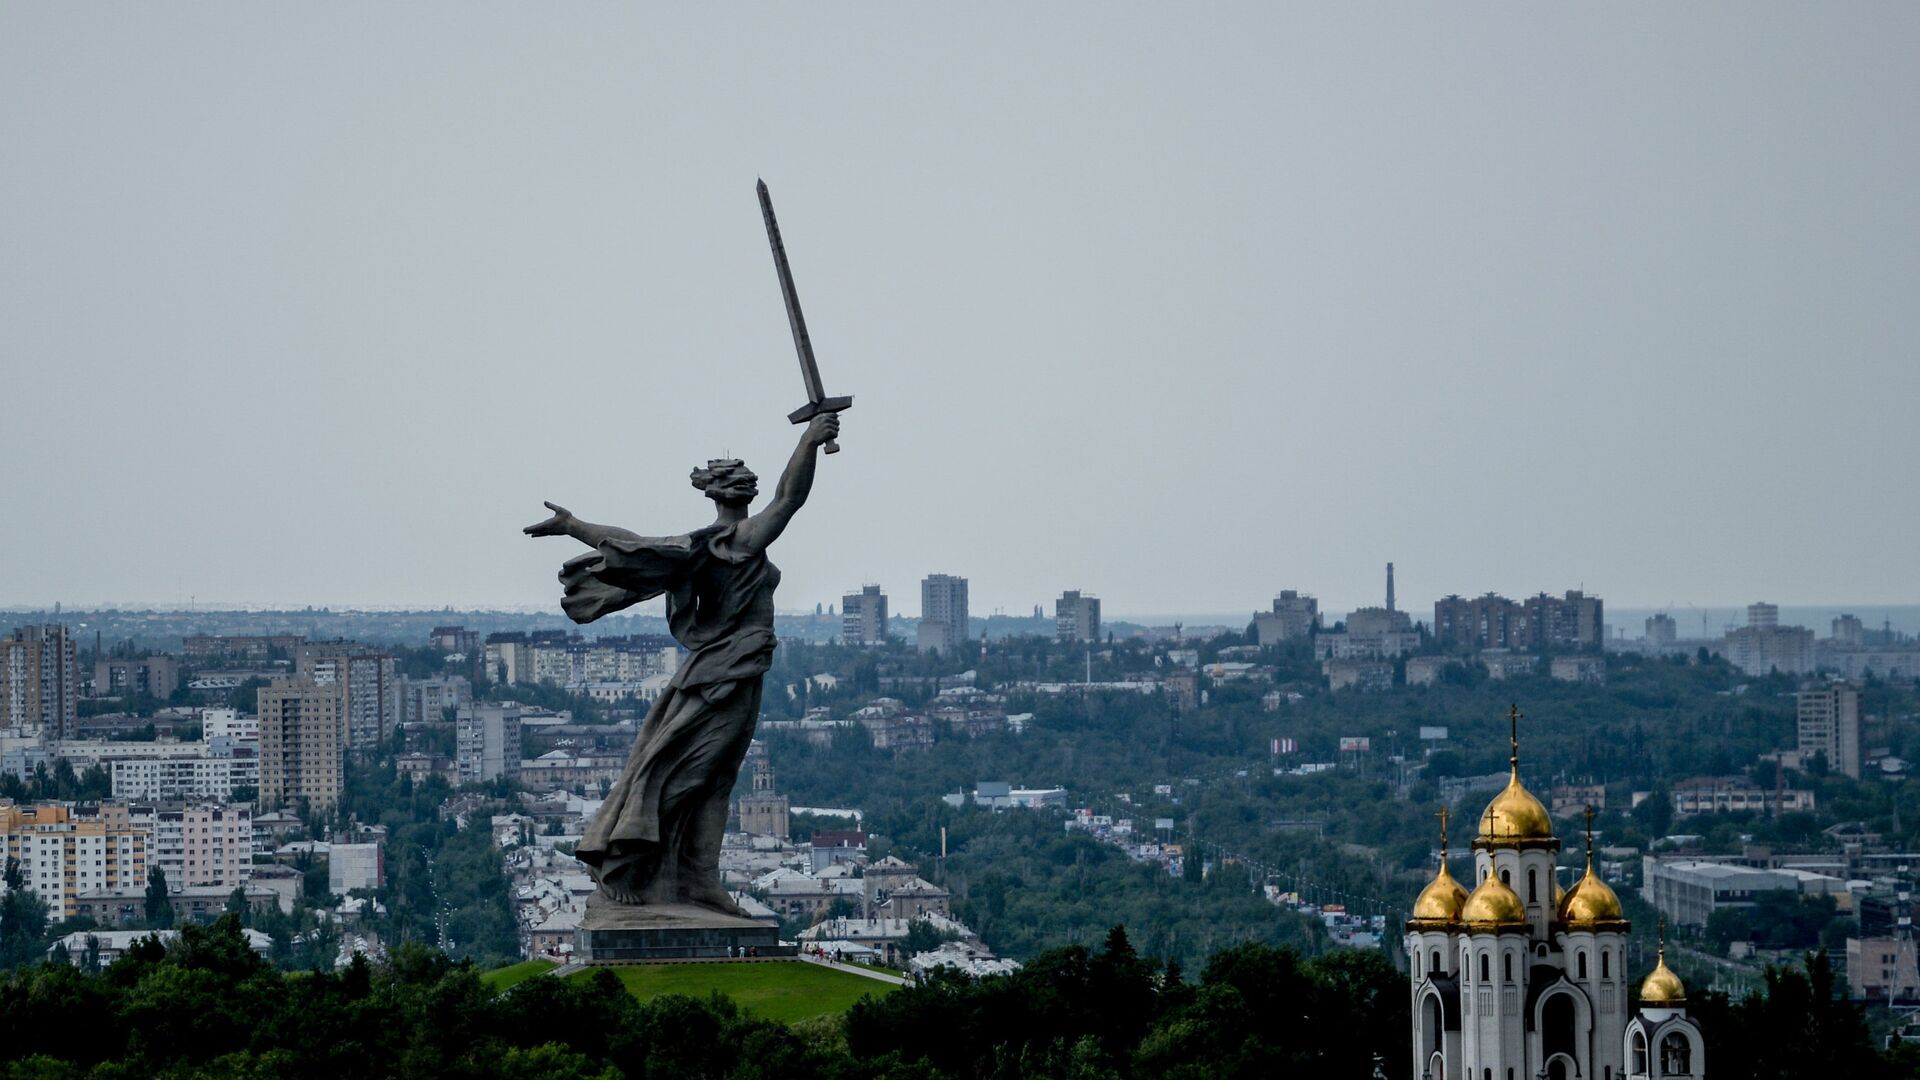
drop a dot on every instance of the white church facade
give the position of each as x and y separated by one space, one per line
1521 980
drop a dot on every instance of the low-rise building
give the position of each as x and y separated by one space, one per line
832 846
194 903
355 866
1507 665
1588 669
1366 675
103 947
1689 891
1883 969
1733 794
1426 670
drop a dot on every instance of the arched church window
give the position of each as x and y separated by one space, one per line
1509 966
1506 878
1606 968
1533 886
1581 963
1676 1055
1639 1053
1484 975
1436 959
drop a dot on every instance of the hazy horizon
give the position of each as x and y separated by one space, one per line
312 305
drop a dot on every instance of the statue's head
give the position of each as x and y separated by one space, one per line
727 481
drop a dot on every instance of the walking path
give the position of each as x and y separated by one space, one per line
561 971
853 970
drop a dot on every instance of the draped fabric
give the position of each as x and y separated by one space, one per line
650 840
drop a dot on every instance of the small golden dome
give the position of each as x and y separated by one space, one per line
1440 902
1492 905
1663 988
1590 904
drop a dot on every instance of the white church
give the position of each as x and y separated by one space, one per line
1521 980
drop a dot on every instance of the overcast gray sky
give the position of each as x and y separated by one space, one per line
315 303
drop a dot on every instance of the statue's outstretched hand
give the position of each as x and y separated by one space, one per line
553 526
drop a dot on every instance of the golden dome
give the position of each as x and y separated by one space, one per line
1663 988
1515 818
1590 904
1493 905
1440 902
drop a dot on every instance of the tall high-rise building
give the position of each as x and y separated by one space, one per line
487 741
943 613
40 681
303 743
368 681
1829 723
1076 617
1849 630
1763 616
863 617
1662 631
66 849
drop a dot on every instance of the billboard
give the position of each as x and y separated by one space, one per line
1284 746
1353 742
1433 734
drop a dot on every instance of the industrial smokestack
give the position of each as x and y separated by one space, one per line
1389 586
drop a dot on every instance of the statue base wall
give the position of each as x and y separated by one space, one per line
611 933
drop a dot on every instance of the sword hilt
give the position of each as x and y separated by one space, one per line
825 405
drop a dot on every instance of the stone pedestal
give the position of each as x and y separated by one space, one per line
611 933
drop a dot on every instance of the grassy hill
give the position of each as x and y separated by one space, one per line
783 992
502 978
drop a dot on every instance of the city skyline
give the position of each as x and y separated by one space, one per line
1530 303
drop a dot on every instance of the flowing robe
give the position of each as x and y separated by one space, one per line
656 839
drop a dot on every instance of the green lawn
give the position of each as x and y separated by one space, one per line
513 974
783 991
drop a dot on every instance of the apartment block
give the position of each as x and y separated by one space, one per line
40 681
943 613
199 844
368 681
863 617
303 743
1076 617
66 849
487 741
1829 723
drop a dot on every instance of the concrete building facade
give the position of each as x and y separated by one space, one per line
66 849
863 617
1828 722
1076 617
487 741
40 682
943 614
303 743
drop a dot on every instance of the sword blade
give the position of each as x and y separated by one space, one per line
802 344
